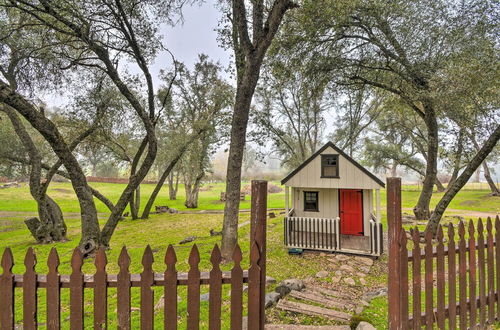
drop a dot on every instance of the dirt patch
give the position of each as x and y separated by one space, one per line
64 191
206 188
8 225
469 203
271 189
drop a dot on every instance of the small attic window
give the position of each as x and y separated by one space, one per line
329 166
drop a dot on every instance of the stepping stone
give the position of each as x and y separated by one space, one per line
320 299
336 279
347 268
322 274
364 260
306 309
349 281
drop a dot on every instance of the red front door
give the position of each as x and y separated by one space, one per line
351 212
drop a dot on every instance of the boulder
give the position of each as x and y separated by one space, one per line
349 281
271 298
293 284
205 297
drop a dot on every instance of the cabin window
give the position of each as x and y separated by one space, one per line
329 166
311 201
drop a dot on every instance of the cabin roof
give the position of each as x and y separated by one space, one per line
333 146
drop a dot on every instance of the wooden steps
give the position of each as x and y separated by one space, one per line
318 298
312 310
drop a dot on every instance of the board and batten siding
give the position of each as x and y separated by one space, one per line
350 176
328 204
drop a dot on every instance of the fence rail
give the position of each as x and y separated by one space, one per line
80 284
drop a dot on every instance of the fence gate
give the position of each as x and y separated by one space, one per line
451 281
170 280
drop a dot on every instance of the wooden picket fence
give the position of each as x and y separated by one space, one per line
79 283
452 283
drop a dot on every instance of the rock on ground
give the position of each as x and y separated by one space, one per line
365 326
271 298
322 274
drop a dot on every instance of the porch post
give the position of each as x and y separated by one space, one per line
287 201
377 194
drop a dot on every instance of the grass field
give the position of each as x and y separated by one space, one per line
161 230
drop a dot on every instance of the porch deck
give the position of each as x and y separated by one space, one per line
324 235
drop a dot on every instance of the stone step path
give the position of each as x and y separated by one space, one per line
313 310
315 297
345 295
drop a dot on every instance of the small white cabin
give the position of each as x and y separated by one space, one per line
331 205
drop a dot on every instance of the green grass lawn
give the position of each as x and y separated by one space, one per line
161 230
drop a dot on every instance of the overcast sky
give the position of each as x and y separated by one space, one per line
195 36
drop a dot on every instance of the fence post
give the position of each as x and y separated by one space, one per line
258 235
394 232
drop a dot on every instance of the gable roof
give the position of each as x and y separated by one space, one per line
334 147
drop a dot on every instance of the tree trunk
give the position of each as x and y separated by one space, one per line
135 202
458 158
91 236
192 190
477 178
439 186
173 188
491 183
50 226
243 100
249 55
421 210
480 156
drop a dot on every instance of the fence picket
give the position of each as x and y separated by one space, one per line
123 290
215 290
417 280
404 279
462 284
170 290
440 279
482 274
30 291
193 298
491 274
452 281
237 290
147 294
472 276
53 291
497 261
429 294
7 291
76 291
100 290
254 288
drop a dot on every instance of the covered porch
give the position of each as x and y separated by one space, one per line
305 232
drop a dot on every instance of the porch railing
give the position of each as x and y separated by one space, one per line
324 234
